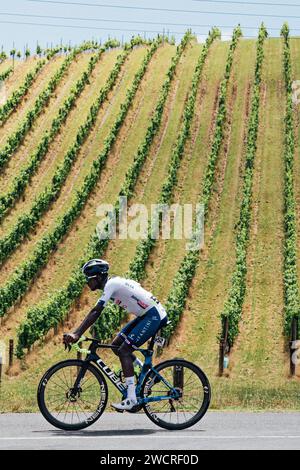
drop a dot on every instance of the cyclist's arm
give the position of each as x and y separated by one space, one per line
89 320
93 316
69 338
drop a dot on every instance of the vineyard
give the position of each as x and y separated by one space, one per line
213 123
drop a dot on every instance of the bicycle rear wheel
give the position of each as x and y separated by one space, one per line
68 408
195 394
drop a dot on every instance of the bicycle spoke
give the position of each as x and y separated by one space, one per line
163 406
196 388
77 412
192 386
90 377
62 381
188 380
55 401
67 410
57 385
83 411
88 387
50 396
180 404
65 378
60 410
192 397
51 388
86 401
184 416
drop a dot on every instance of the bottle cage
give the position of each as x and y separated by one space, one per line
160 341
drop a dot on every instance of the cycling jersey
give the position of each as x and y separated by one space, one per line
131 296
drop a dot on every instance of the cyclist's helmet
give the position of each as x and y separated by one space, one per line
96 273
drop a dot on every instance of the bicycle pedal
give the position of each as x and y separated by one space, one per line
118 411
135 409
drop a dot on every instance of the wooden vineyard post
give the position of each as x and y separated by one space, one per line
2 358
223 344
11 353
293 347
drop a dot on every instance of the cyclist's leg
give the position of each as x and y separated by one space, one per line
127 359
122 335
147 327
140 330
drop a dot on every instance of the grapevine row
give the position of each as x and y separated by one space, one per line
16 139
291 282
220 124
18 285
42 203
137 266
6 74
233 306
41 318
21 181
176 300
16 97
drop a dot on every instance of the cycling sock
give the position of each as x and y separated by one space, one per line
130 388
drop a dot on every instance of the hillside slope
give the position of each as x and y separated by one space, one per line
259 362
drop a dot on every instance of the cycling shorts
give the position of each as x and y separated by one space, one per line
142 328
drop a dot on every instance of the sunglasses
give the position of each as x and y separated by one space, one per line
88 278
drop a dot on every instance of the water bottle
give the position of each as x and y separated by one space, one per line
226 362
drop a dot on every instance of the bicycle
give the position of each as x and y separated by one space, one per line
174 394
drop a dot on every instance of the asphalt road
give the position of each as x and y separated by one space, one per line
217 430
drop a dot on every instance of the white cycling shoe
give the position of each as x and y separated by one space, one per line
125 405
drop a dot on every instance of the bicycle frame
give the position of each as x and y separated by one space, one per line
115 380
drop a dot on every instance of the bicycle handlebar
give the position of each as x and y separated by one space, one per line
77 348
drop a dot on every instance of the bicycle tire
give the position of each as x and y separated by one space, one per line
43 385
206 394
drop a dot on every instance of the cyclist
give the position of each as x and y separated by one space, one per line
130 295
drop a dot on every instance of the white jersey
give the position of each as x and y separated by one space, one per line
131 296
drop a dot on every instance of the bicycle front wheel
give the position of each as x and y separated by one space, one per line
68 407
194 391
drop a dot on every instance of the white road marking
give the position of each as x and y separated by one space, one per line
23 438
